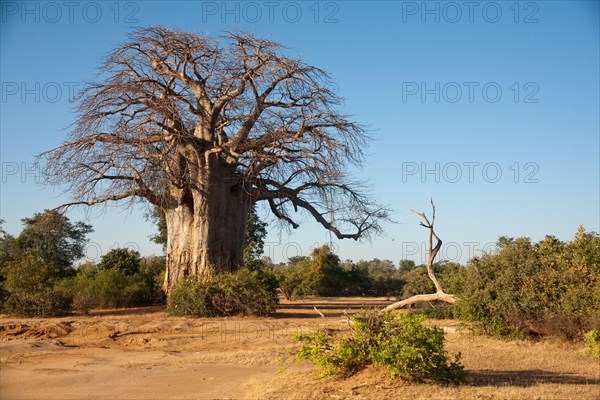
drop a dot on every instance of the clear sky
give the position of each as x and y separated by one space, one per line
491 108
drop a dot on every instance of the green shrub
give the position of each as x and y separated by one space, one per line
85 300
416 281
264 274
408 349
437 310
294 279
32 291
101 289
592 340
152 274
109 287
545 288
242 292
325 276
46 302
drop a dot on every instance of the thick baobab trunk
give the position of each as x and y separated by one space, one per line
205 234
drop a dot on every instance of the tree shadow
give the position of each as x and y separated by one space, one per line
127 311
527 378
284 315
307 310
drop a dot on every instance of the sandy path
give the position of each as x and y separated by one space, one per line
113 373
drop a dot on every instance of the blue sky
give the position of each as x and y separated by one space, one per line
491 108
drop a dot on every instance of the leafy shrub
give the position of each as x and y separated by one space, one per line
592 339
31 289
416 281
408 349
325 275
294 279
263 271
437 310
110 286
102 289
152 274
242 292
289 281
545 288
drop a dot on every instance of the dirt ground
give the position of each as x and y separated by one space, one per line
146 354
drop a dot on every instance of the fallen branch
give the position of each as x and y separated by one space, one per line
319 312
421 298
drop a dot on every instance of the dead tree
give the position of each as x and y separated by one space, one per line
433 252
203 128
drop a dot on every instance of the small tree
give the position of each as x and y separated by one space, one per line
293 277
326 276
53 240
41 256
254 239
121 259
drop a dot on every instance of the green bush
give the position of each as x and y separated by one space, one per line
408 349
325 276
152 274
102 289
243 292
294 279
32 291
110 287
545 288
592 340
416 281
437 310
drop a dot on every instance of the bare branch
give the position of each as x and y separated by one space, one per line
175 112
433 252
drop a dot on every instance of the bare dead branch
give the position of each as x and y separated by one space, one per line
319 312
433 252
422 298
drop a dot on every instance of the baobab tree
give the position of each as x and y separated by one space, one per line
203 128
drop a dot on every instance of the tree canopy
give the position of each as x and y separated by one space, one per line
170 104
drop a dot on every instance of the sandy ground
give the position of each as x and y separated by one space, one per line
145 354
